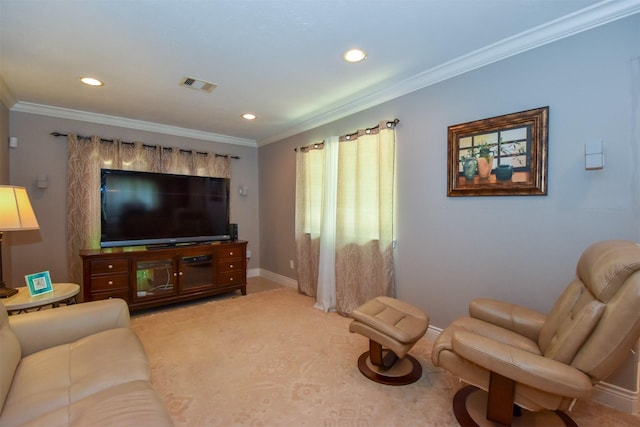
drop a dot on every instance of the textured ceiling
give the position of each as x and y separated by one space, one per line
280 60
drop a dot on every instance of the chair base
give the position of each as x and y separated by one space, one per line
404 371
470 410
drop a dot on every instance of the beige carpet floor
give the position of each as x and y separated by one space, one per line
271 359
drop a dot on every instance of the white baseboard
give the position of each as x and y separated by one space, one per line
274 277
619 398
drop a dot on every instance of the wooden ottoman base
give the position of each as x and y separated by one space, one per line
396 326
400 376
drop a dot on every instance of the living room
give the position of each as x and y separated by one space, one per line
449 249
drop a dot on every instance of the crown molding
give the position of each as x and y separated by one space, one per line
588 18
84 116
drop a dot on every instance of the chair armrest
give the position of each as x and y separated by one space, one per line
516 318
523 367
39 330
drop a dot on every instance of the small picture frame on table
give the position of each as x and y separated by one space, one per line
39 283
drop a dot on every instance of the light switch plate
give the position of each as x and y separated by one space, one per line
593 155
593 161
593 147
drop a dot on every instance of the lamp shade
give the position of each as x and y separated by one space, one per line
16 212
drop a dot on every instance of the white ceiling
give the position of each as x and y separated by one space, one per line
281 60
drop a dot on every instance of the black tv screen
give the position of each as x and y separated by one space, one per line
146 208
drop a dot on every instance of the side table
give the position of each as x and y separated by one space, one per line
63 293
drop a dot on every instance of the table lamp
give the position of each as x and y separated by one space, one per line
15 214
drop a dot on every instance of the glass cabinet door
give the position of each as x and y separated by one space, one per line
154 277
196 272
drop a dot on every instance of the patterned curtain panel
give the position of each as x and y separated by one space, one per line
138 157
85 159
363 212
307 255
308 217
177 161
211 165
365 217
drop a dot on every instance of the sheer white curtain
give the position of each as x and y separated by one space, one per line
344 218
326 298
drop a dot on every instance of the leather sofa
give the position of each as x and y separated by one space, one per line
79 365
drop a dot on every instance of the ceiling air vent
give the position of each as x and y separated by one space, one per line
201 85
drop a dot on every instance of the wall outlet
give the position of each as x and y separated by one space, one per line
292 265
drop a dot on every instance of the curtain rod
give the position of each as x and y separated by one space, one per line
316 146
56 134
389 123
319 145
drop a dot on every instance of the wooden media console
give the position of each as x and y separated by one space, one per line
148 278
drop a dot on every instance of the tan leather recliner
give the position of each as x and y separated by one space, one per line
544 362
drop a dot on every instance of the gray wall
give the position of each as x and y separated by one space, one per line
4 144
38 153
4 180
523 249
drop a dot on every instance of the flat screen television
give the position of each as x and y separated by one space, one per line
158 209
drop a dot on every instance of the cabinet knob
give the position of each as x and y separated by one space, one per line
110 282
230 253
110 266
180 273
231 279
230 265
175 274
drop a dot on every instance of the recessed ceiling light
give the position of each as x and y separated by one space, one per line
91 81
354 55
249 116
